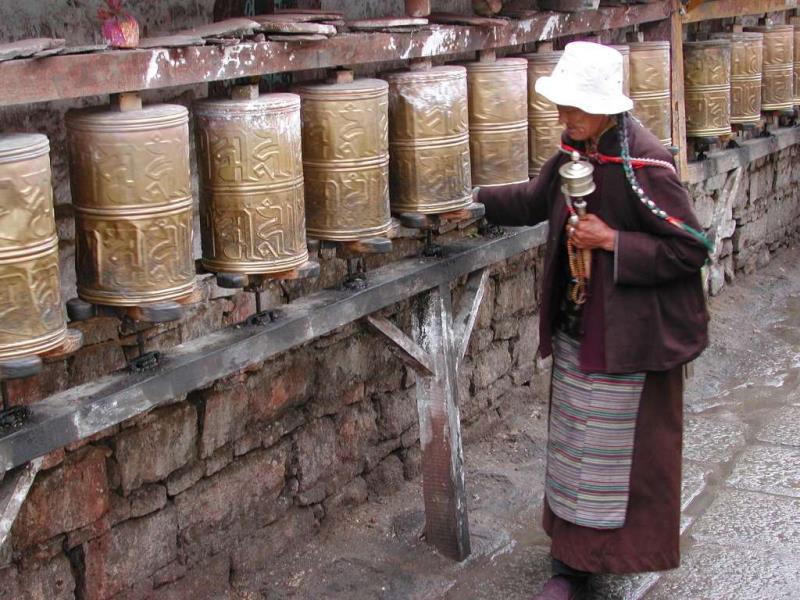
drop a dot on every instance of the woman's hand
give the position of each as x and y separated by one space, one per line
592 232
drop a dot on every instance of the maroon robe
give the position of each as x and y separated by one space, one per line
645 312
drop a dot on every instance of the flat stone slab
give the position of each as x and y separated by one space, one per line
693 483
286 27
29 47
750 518
742 572
782 428
768 469
707 439
228 27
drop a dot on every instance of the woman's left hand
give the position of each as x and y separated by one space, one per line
592 232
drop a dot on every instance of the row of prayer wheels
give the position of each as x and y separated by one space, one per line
332 160
733 77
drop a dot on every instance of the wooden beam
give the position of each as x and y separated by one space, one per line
443 487
467 313
73 76
677 93
13 491
721 9
403 346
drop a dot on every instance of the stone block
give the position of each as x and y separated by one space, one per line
273 432
219 460
208 579
357 430
486 309
377 452
281 384
704 209
247 485
317 448
387 477
42 580
412 463
479 341
398 412
150 453
63 499
94 530
147 499
224 416
97 329
92 362
185 477
130 553
515 295
491 365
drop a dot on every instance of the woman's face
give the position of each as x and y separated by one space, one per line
581 126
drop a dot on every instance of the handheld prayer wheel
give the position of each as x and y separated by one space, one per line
252 215
498 120
429 162
544 130
650 87
346 158
707 85
747 52
31 320
131 189
625 50
777 85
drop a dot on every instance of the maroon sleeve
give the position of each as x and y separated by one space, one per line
660 252
519 203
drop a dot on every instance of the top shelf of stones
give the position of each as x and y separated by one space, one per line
46 69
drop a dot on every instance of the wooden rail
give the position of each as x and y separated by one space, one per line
722 9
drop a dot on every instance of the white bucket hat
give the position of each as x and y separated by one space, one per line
587 76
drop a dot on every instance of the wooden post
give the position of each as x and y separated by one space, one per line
439 344
678 107
446 523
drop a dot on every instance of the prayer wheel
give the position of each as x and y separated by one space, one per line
777 84
650 87
346 159
498 120
32 320
707 87
429 164
625 50
796 46
544 130
747 52
132 193
252 215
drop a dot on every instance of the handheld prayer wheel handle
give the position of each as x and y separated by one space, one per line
580 210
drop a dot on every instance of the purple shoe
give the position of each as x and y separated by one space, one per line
559 587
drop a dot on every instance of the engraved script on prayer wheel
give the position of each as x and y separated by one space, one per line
252 215
777 84
746 63
498 121
707 85
429 163
346 159
132 195
650 87
544 130
32 320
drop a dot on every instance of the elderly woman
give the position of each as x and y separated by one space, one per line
621 321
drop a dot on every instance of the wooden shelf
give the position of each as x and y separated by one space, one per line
722 9
72 76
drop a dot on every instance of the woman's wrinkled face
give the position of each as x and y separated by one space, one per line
581 126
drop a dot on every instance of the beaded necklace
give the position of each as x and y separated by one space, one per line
629 164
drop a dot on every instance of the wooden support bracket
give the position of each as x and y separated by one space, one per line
441 343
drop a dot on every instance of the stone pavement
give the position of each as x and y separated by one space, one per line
741 493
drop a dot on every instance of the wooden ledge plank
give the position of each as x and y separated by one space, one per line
721 9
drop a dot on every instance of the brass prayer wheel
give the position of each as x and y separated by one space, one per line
796 45
777 85
544 130
252 214
346 159
625 50
707 87
498 120
650 87
31 320
131 189
429 162
747 53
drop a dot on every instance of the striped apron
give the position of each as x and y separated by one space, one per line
590 443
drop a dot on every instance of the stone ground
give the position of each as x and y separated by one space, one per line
741 493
